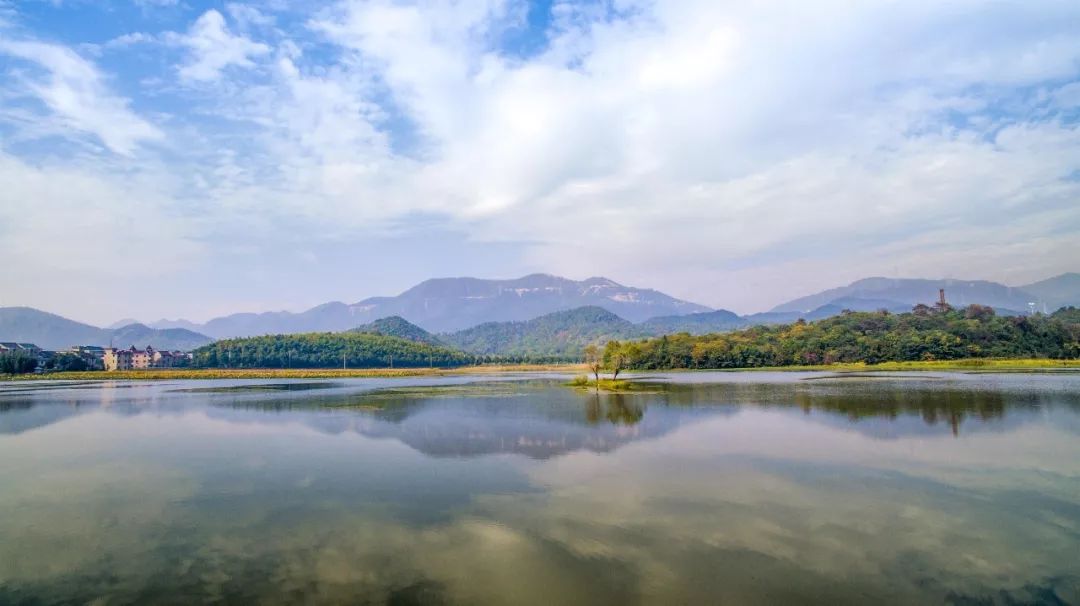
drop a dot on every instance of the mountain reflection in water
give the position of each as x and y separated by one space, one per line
541 419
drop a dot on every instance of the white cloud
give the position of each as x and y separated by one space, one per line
102 231
248 16
130 39
1068 96
75 92
732 153
212 48
726 134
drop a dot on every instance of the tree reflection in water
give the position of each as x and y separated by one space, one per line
615 408
934 407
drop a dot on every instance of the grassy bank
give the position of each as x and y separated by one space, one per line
968 364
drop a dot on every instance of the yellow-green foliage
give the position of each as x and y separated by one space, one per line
610 385
580 381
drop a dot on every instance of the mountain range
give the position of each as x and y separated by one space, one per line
50 331
450 304
446 305
870 293
483 316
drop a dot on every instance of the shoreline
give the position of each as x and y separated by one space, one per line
1034 365
166 374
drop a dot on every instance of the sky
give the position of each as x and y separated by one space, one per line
182 158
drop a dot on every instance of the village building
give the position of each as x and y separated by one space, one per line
135 359
162 359
142 358
117 359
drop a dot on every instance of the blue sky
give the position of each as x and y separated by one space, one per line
180 158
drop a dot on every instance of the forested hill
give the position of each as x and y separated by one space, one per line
871 337
557 335
396 326
326 350
565 334
699 323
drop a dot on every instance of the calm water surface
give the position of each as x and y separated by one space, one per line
701 489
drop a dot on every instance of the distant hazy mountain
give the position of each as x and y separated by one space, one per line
859 304
123 323
329 317
163 323
396 326
455 303
872 293
50 331
695 324
828 310
141 335
560 333
1056 292
449 304
773 317
46 330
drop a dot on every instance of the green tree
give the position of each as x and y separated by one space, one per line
17 363
67 362
615 358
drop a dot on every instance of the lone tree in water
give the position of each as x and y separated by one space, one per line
594 361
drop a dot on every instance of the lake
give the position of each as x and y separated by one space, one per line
697 488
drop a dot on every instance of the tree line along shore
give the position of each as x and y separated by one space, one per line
925 335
